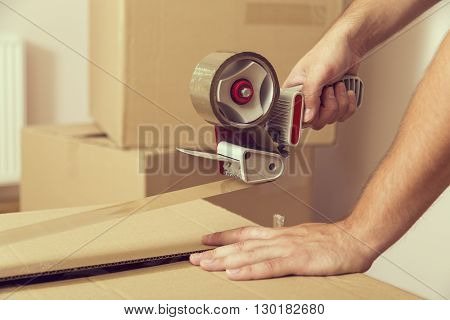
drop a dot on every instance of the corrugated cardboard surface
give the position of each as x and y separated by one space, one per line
144 53
76 165
54 239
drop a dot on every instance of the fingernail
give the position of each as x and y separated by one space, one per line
308 115
194 257
207 262
233 271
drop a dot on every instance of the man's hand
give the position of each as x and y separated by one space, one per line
308 249
362 26
325 64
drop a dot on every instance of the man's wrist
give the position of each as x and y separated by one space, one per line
363 232
350 28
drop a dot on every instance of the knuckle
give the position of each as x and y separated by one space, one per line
342 96
265 233
345 101
270 266
311 94
283 239
251 255
239 246
211 253
249 269
344 106
226 261
242 232
332 106
342 88
254 232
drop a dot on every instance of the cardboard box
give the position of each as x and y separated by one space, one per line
76 165
70 238
143 53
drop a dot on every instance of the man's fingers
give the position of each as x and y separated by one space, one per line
319 121
312 104
238 235
342 99
235 240
244 258
234 248
329 109
271 268
351 106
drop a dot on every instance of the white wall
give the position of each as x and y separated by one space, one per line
390 75
57 76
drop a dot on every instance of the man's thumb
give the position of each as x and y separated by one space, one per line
311 92
317 78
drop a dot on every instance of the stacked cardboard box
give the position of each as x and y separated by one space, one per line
143 54
76 165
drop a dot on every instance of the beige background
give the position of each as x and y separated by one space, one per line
57 93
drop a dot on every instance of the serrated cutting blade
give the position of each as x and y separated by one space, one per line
205 155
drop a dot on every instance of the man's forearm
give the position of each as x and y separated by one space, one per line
416 170
367 23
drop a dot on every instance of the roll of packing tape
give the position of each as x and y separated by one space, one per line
234 89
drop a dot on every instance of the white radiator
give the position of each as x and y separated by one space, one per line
12 107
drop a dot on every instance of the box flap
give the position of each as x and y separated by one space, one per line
80 130
105 235
86 132
33 241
